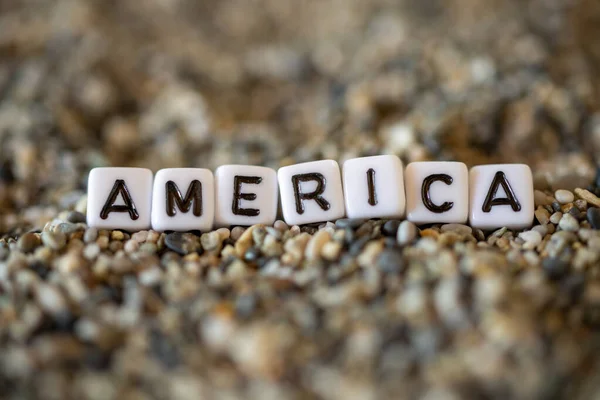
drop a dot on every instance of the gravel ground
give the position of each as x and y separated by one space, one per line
344 310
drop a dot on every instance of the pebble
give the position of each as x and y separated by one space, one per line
458 228
407 232
390 261
182 243
351 223
237 232
588 196
532 239
593 217
28 242
315 244
90 235
210 240
568 223
117 235
390 228
54 240
555 267
140 236
564 196
542 215
76 217
556 217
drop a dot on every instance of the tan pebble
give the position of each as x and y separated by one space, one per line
117 235
140 236
581 204
153 236
237 269
131 246
369 254
224 233
458 228
281 226
91 251
331 251
541 199
315 244
245 241
556 217
237 232
210 240
542 215
588 196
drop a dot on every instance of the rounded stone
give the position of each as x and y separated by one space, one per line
182 243
390 228
28 242
407 232
593 217
54 240
351 223
564 196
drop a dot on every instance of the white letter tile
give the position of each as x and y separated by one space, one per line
119 198
501 196
183 199
374 187
437 192
245 195
311 192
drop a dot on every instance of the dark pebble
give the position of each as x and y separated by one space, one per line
245 305
40 269
593 217
76 217
390 228
163 349
357 246
182 243
556 206
575 213
555 267
390 261
351 223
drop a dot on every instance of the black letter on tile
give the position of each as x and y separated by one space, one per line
426 196
193 195
371 186
119 188
510 200
314 195
237 187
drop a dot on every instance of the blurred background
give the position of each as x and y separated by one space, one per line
171 83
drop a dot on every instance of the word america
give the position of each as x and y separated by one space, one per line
183 199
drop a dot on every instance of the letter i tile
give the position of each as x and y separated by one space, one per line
374 187
119 198
183 199
437 192
245 195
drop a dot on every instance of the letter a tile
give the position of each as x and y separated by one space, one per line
311 192
501 196
183 199
119 198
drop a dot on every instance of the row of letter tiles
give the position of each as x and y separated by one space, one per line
182 199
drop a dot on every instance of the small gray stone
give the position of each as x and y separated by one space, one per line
182 243
564 196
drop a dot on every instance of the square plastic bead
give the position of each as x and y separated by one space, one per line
311 192
119 198
245 195
437 192
183 199
374 187
501 195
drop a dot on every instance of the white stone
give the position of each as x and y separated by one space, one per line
374 187
245 195
311 192
437 192
520 182
119 198
183 199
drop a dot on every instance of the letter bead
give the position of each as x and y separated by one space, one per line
437 192
374 187
501 195
119 198
311 192
245 195
183 199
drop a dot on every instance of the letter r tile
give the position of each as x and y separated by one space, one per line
245 195
311 192
183 199
437 192
119 198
